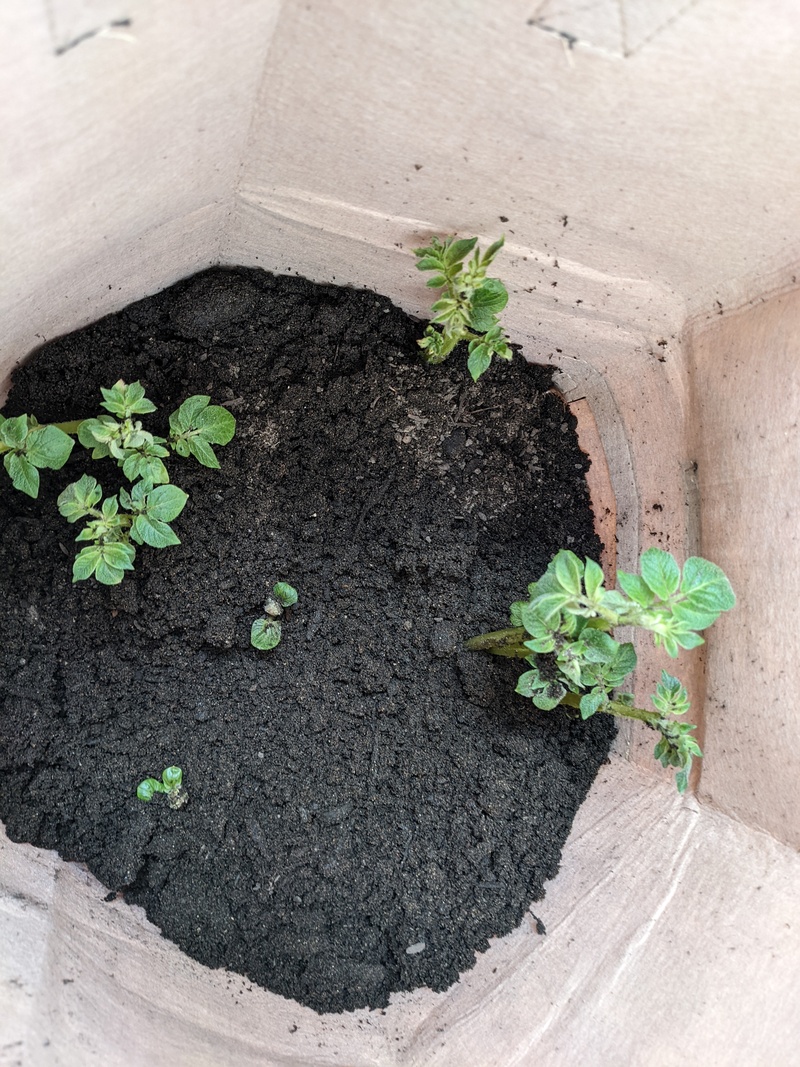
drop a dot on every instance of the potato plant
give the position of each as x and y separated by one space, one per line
266 633
563 632
468 308
171 783
140 515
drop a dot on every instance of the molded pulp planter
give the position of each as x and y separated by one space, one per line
643 164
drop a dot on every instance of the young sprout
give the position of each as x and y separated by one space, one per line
468 308
171 784
142 515
265 633
563 632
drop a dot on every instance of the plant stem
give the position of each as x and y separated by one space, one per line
614 707
508 642
68 427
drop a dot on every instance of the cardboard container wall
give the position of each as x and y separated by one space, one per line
642 160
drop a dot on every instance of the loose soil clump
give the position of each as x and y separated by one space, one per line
368 803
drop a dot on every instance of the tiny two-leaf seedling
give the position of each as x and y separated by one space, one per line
265 633
171 783
469 306
563 632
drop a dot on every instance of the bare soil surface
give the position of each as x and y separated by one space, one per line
368 803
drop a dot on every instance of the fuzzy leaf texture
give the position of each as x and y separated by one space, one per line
126 400
265 634
286 594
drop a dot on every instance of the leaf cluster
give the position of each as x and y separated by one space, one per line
171 783
563 630
468 308
265 633
141 515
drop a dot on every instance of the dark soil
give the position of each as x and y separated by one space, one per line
368 802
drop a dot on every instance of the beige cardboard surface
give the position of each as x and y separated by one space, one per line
121 150
642 159
671 939
747 420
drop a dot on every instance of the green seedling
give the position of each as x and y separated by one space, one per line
563 632
171 783
468 308
141 515
265 633
148 511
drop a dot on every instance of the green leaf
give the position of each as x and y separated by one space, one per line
593 578
47 446
85 562
428 262
110 507
492 251
706 586
108 575
592 702
660 572
147 789
445 307
125 400
571 670
114 560
486 302
600 646
100 431
478 360
541 645
14 431
636 588
140 465
185 416
265 634
613 601
437 282
669 643
216 424
166 502
624 661
456 251
550 697
529 683
24 476
285 593
203 452
687 638
153 532
545 609
568 571
172 778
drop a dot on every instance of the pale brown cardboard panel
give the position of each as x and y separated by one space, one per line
120 152
747 420
642 159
